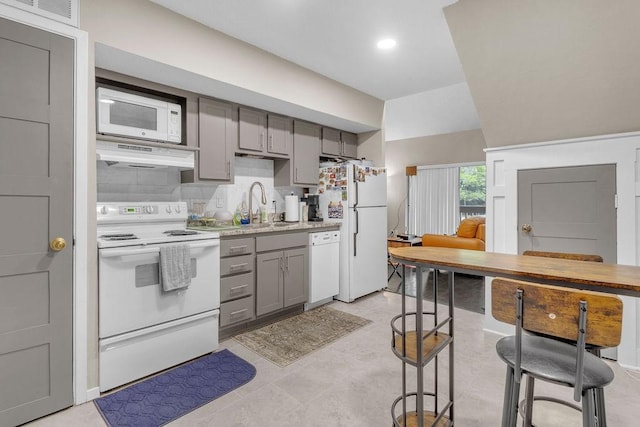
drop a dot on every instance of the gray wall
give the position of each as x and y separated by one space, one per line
458 147
544 70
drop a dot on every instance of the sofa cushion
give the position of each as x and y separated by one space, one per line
437 240
481 232
469 226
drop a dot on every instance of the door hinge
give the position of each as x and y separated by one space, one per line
615 201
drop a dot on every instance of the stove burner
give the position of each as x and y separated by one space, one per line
123 236
180 232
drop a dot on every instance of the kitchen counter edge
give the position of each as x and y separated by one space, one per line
272 229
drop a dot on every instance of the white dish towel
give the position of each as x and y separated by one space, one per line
175 266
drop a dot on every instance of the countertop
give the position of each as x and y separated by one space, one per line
277 227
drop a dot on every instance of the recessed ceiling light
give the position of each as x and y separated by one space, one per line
386 44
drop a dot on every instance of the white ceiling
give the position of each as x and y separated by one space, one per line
337 38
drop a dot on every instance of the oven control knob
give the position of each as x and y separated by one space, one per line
104 210
168 209
176 209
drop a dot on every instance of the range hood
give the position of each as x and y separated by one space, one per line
126 155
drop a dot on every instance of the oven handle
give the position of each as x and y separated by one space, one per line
109 253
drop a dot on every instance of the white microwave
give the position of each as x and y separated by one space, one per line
126 114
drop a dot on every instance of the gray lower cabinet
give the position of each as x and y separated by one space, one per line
237 280
282 265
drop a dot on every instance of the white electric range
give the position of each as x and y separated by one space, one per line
142 328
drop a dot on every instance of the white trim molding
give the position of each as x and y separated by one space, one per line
503 165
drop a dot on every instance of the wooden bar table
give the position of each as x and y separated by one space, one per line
601 277
594 276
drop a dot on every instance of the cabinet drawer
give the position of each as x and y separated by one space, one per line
236 311
236 286
234 247
236 265
281 241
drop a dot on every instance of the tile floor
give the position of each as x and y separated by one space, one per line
353 381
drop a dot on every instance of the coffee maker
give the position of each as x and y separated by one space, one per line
313 203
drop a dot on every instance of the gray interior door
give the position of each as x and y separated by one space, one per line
570 209
36 200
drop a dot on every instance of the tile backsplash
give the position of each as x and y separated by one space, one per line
117 184
125 185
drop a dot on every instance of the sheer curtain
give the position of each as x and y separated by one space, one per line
434 201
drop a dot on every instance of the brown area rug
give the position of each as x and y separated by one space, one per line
286 341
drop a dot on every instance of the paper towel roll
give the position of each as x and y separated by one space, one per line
291 208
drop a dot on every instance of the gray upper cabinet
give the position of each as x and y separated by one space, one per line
253 130
279 134
339 144
331 143
349 145
306 153
264 134
217 137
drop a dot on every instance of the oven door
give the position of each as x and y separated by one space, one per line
131 296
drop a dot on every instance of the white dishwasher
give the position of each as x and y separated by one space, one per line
324 267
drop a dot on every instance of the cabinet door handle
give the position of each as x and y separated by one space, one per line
236 266
236 288
235 313
228 168
296 174
270 142
287 263
261 140
237 248
281 265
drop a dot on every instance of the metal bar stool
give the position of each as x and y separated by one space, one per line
566 321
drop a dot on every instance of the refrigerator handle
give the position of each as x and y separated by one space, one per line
355 181
355 234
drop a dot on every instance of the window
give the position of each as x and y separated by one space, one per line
440 197
473 184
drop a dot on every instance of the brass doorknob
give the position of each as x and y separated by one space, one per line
526 228
58 244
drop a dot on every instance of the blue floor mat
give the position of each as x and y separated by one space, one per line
163 398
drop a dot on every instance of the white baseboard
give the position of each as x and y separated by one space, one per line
93 393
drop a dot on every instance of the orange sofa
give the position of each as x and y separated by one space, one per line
470 235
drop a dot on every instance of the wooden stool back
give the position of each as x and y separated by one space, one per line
553 311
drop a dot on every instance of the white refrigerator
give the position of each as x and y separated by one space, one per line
355 194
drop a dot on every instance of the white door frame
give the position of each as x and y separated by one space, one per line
623 150
81 211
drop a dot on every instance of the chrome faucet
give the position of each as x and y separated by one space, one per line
264 199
